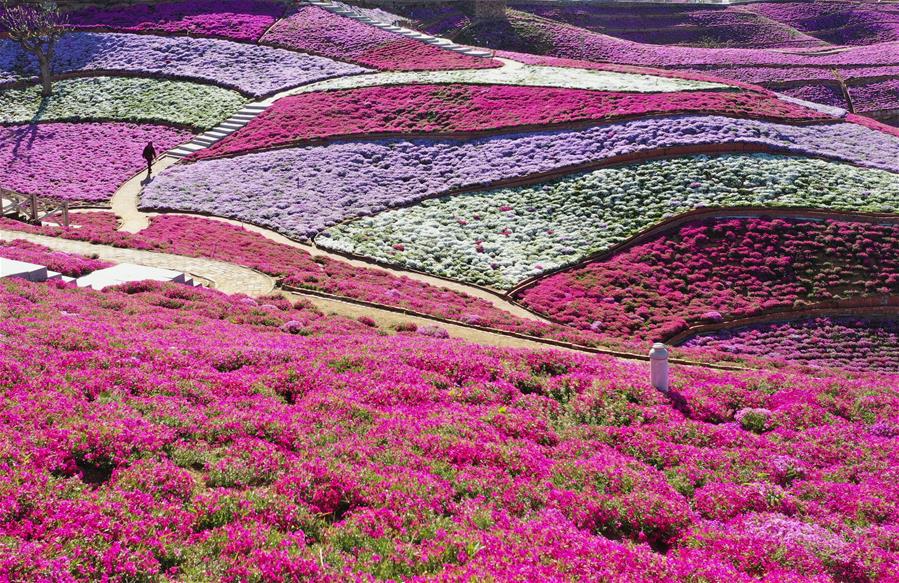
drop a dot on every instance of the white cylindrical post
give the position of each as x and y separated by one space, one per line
658 366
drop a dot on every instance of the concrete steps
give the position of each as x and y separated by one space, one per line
126 272
245 115
409 33
102 278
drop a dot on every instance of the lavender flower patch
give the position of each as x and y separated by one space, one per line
503 236
852 343
253 70
302 191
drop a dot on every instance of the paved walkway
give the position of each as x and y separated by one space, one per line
124 201
225 277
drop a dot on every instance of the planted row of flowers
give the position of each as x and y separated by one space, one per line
848 342
321 32
64 263
201 438
879 96
127 99
626 79
199 237
842 23
703 26
501 237
471 108
250 69
301 191
723 269
562 40
240 20
80 162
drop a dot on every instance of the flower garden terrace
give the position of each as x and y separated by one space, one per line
399 190
208 436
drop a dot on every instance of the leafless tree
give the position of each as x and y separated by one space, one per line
36 26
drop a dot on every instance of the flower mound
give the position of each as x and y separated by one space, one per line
212 437
472 108
137 100
318 31
724 269
78 162
240 20
64 263
846 342
301 191
501 237
252 70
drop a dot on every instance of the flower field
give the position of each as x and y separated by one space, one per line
315 30
779 45
410 109
84 162
373 176
411 456
709 271
251 69
721 178
501 237
239 20
850 343
127 99
64 263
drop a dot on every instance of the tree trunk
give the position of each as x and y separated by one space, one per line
46 75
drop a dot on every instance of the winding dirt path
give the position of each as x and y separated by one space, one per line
132 220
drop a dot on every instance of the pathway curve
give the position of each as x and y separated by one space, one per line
132 220
225 277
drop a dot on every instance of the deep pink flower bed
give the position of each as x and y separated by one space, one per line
199 237
315 30
85 162
210 437
470 108
846 342
241 20
709 271
64 263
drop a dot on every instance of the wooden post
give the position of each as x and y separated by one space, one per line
32 200
658 367
65 213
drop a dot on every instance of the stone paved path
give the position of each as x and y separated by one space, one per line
225 277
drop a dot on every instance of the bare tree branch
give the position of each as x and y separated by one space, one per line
36 26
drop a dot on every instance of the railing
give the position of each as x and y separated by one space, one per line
33 208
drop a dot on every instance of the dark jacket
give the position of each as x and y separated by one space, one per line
149 152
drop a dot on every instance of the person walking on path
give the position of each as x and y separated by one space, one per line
149 156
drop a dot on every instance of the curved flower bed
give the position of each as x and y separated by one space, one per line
301 191
80 162
688 25
240 20
64 263
318 31
472 108
627 79
842 23
252 70
200 438
122 99
200 237
849 342
723 269
501 237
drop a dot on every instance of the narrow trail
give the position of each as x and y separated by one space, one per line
225 277
132 220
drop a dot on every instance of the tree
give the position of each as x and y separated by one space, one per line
36 27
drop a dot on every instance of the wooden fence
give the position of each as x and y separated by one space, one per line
33 208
